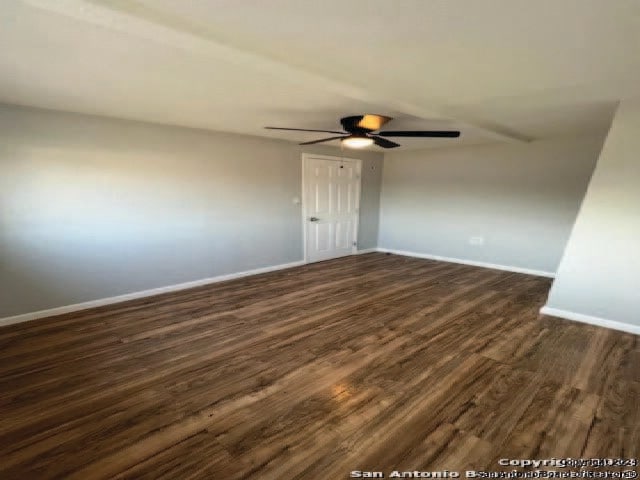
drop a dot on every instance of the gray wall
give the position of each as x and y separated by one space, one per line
92 208
599 275
521 198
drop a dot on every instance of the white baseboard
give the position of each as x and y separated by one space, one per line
221 278
494 266
599 322
366 250
141 294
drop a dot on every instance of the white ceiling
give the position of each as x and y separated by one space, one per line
499 70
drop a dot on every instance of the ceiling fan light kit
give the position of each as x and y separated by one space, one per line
357 141
359 132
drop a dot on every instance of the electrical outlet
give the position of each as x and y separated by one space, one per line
476 241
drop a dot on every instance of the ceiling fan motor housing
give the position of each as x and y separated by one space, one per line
363 124
350 124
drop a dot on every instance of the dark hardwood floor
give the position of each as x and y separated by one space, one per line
375 362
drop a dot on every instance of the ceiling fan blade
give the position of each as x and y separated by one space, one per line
303 130
418 133
373 122
323 140
384 143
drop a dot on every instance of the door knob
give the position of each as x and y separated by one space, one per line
314 219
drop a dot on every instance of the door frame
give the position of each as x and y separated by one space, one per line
358 162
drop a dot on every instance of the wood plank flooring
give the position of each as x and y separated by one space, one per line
374 362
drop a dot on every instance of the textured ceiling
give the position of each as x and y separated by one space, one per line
499 70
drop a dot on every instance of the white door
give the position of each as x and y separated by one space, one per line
331 199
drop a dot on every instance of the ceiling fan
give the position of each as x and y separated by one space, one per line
360 128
